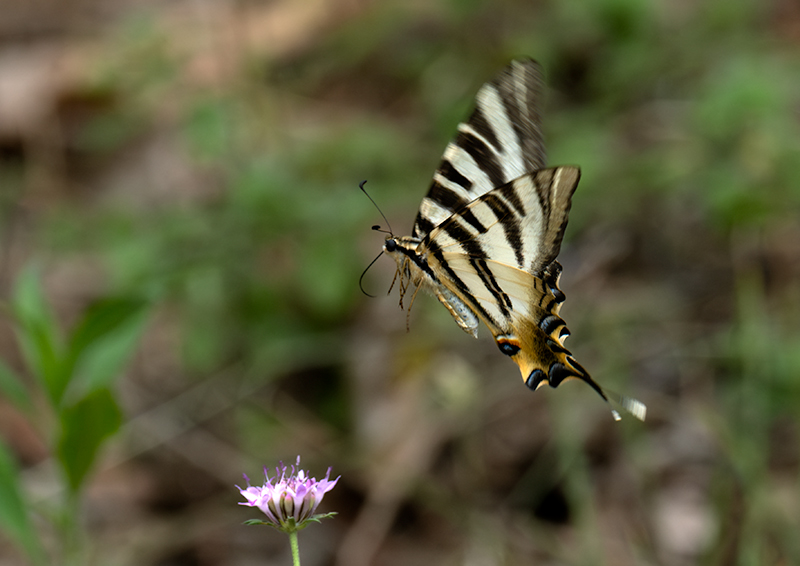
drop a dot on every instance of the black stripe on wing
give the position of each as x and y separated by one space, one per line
422 226
480 124
464 291
477 259
509 192
445 197
469 217
472 249
518 88
510 224
467 241
451 201
450 173
483 155
487 277
522 81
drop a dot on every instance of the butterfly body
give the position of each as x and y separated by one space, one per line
487 234
414 270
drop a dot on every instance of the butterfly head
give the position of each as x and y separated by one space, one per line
391 247
401 248
403 251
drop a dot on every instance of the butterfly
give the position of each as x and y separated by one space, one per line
487 234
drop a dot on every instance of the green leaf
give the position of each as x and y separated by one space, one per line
316 519
38 334
11 386
14 520
104 340
101 318
84 427
257 522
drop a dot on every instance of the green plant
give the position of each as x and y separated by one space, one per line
72 378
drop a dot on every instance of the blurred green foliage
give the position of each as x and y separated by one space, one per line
15 518
74 375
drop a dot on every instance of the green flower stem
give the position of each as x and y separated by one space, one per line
71 535
295 548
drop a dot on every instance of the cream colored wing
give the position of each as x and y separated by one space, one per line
499 142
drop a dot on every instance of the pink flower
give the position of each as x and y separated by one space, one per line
289 501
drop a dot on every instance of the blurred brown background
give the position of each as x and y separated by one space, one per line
205 157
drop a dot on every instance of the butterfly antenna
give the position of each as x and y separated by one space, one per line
361 279
376 228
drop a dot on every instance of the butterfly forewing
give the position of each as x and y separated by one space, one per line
501 141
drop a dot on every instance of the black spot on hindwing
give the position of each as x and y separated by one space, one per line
508 348
535 378
550 323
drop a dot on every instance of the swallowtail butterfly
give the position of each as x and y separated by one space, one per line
488 231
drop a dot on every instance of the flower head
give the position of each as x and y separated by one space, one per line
289 501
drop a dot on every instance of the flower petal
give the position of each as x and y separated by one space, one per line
288 501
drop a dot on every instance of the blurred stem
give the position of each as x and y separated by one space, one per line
295 548
71 536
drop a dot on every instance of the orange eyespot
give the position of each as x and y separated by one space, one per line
508 347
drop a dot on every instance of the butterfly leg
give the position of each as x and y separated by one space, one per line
408 313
